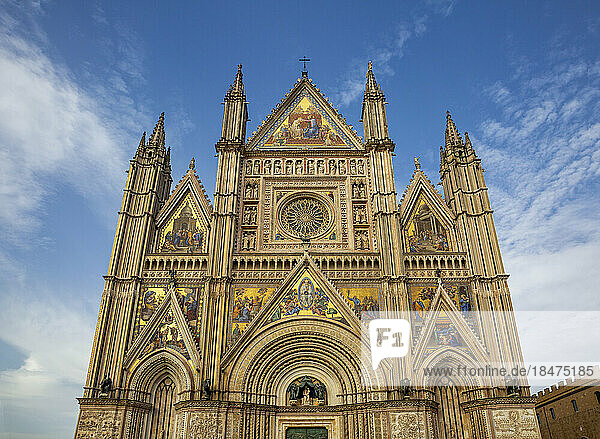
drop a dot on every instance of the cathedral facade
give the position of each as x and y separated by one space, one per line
241 317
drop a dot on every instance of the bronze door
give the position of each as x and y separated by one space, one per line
306 433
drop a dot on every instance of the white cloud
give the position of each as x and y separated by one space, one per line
542 156
53 128
56 339
61 131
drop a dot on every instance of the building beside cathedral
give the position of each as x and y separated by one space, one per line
240 317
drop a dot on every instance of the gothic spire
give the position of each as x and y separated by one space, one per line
371 82
235 115
158 135
373 112
237 88
142 141
452 135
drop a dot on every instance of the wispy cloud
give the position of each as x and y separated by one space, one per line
62 131
352 85
54 127
542 154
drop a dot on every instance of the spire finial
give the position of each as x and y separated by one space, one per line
192 164
452 135
158 134
371 82
417 164
238 84
143 140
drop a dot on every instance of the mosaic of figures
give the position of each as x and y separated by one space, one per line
306 298
445 333
306 391
151 298
184 232
166 335
247 302
305 126
305 166
363 300
424 232
421 297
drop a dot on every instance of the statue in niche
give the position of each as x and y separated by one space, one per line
310 167
361 167
342 166
352 167
298 167
288 167
277 167
250 215
249 167
306 399
320 392
332 167
360 215
307 391
358 190
294 392
267 167
248 240
361 240
320 167
257 167
248 191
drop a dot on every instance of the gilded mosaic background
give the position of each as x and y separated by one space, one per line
424 232
184 232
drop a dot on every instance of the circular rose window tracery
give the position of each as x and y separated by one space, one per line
305 217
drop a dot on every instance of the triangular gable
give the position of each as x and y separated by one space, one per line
304 119
305 292
445 327
168 328
427 222
184 221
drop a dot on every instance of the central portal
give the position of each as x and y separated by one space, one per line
306 433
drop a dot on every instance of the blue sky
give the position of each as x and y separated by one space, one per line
82 80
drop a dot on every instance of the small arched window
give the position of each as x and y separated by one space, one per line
574 404
597 396
552 414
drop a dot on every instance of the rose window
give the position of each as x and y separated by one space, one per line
305 217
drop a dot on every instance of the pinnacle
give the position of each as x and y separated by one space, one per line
238 84
143 140
371 82
158 134
452 135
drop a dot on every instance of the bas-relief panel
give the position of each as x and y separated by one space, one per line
247 302
424 232
408 425
306 125
515 424
152 297
306 298
184 232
